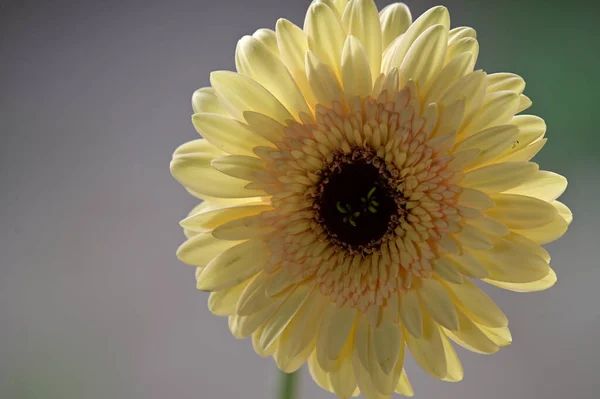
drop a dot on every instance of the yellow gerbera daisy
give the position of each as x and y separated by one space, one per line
356 176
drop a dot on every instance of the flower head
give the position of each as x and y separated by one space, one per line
357 175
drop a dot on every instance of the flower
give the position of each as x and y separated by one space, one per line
357 175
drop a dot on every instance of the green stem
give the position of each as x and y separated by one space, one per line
287 385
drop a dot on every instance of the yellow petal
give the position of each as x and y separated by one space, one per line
410 313
253 297
233 266
489 226
500 336
468 265
533 286
243 326
458 67
548 232
446 270
205 100
524 103
227 133
505 81
438 303
395 20
318 374
470 337
524 154
285 362
325 86
475 199
268 38
239 166
239 93
470 237
506 263
342 378
563 211
454 369
544 185
223 303
282 317
387 339
210 219
404 387
201 249
450 117
468 45
356 76
254 59
499 177
461 32
492 142
521 212
471 88
498 109
397 50
425 57
326 36
340 6
476 304
195 146
337 331
293 45
428 350
362 20
306 322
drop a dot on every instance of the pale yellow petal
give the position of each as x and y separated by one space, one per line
547 232
254 59
388 342
397 50
505 81
362 21
425 57
501 336
318 374
282 317
428 350
325 86
293 45
475 199
468 265
470 337
470 88
201 249
521 212
410 312
454 369
506 263
470 237
224 302
233 266
458 67
533 286
499 177
563 211
461 32
227 134
476 304
340 6
209 219
492 142
205 100
239 93
342 378
447 270
306 322
268 38
395 20
544 185
404 387
253 297
195 146
326 36
239 166
438 303
498 109
468 45
524 103
356 76
489 226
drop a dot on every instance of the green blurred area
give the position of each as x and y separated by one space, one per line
555 47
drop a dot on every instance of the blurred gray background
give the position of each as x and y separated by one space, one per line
95 96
